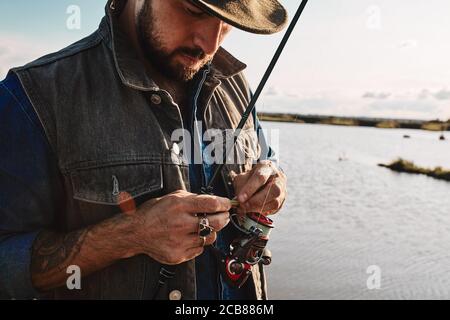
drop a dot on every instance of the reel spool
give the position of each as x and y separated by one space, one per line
255 222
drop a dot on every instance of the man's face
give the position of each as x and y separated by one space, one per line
177 37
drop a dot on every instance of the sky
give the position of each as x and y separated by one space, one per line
373 58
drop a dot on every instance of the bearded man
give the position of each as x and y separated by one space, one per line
92 183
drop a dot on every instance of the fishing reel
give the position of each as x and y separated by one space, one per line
247 250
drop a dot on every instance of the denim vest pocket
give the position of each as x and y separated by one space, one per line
114 184
99 190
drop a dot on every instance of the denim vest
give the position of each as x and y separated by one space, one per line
110 127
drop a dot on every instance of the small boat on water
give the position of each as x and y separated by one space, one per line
406 136
442 137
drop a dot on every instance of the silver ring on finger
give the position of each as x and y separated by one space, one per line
204 229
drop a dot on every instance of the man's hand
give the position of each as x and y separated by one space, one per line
164 228
168 229
261 190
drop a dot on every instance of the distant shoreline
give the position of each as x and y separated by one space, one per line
434 125
401 165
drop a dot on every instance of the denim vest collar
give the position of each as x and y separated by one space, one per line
132 71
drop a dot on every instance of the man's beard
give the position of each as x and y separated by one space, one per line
158 56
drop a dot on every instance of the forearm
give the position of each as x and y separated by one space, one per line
90 249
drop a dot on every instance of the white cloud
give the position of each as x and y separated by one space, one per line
408 44
424 94
16 50
416 106
3 51
442 94
272 91
399 105
376 95
281 92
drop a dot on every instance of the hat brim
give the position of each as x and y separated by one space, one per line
260 16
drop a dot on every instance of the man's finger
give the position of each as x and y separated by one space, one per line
210 239
261 174
271 191
239 180
206 204
196 241
190 224
217 221
271 207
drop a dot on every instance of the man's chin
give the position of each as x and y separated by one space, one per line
190 74
185 73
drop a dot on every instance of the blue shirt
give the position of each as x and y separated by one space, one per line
29 189
31 193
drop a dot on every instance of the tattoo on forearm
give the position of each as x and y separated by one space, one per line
52 250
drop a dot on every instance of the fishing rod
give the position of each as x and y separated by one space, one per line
248 249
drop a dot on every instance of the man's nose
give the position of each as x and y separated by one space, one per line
209 36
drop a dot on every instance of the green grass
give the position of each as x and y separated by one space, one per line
279 117
340 122
388 124
435 126
401 165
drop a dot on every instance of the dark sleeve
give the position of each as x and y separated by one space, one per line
30 188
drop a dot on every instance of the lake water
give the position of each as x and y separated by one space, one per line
343 216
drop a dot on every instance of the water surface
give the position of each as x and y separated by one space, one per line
343 216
